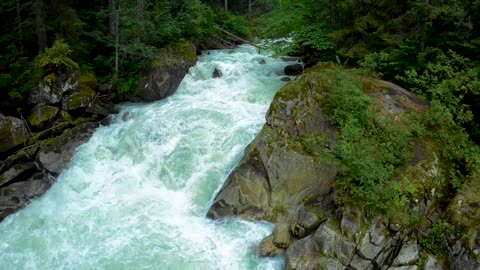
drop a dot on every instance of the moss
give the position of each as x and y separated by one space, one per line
183 53
88 79
79 99
48 132
41 115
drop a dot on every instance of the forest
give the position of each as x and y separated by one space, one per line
430 47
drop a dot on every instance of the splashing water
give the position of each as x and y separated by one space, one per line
135 196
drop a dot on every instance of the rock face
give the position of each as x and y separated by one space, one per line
293 70
164 76
15 196
280 181
13 132
55 153
51 93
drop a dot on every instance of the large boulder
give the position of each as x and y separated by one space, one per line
54 154
281 179
13 132
78 99
50 91
15 196
42 115
165 74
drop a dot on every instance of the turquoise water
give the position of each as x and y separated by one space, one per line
135 196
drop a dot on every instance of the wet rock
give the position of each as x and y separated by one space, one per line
15 196
268 249
13 132
217 73
285 79
163 76
293 70
281 235
78 99
15 172
42 115
54 154
262 62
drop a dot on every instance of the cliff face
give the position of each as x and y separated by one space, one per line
281 179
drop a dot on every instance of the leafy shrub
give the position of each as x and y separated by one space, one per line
54 61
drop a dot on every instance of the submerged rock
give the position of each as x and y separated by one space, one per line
217 73
15 196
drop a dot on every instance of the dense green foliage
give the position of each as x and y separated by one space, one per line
91 31
373 150
430 47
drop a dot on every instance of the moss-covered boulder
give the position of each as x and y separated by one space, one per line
55 153
289 173
12 133
78 99
42 115
50 89
164 75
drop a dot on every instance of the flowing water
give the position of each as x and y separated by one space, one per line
135 196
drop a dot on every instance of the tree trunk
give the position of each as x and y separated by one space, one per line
19 30
140 9
111 17
249 9
117 25
226 4
40 24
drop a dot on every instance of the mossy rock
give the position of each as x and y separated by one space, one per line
12 133
166 72
88 79
79 99
42 115
464 213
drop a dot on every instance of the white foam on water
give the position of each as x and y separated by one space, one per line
135 196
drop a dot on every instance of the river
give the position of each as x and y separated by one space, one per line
135 195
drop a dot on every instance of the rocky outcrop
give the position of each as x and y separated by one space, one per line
15 196
165 74
54 154
51 91
13 132
42 115
80 98
280 180
293 70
